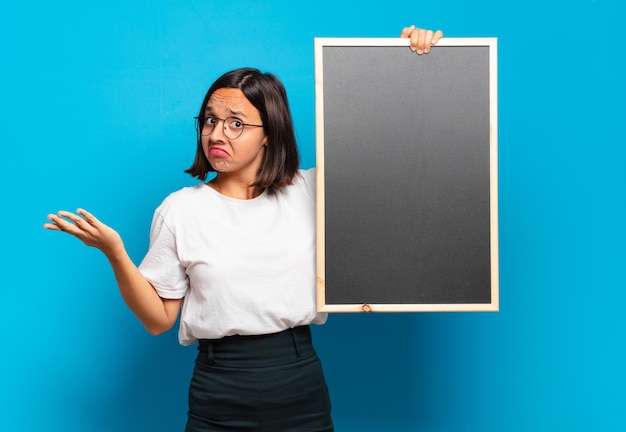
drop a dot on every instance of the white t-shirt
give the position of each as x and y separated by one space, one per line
243 266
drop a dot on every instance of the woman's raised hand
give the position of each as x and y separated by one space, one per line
88 229
421 39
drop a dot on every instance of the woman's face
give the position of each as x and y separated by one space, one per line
231 113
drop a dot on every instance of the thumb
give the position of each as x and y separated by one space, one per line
406 32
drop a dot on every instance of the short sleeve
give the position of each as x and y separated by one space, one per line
161 266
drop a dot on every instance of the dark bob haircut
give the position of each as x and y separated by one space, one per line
267 94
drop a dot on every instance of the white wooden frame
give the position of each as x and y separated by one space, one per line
491 43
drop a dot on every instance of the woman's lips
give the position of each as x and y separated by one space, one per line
217 151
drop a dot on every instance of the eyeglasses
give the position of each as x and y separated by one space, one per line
231 126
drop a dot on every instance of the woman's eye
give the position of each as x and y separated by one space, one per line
236 124
211 121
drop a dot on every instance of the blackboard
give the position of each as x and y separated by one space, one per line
407 185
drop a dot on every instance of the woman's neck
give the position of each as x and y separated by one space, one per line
234 188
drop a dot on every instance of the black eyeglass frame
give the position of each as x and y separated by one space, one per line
201 124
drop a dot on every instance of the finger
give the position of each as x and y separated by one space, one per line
51 226
428 41
91 219
406 32
438 35
53 219
421 41
71 223
58 223
66 217
413 39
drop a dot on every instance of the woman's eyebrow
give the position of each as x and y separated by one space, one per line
208 109
237 113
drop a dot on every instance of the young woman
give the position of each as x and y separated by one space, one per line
238 254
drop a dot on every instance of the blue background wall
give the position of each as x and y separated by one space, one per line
97 107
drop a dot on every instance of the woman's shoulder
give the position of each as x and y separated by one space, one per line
186 192
303 181
305 177
181 198
307 174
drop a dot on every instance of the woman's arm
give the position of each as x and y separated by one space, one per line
155 313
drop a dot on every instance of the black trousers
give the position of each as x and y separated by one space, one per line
266 383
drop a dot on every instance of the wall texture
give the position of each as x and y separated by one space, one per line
97 111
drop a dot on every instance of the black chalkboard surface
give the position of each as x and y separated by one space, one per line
407 216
